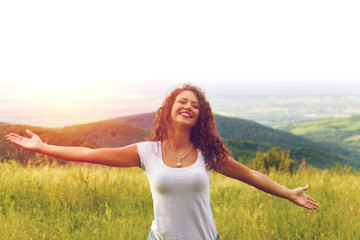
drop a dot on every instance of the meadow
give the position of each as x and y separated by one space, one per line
87 202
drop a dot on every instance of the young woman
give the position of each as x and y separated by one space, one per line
177 161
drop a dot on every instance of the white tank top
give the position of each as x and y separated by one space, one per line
181 196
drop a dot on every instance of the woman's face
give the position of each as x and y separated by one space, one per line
185 110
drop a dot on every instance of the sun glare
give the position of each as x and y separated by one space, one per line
60 104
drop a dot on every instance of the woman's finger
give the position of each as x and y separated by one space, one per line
14 135
312 203
30 133
9 137
17 141
315 205
310 206
311 200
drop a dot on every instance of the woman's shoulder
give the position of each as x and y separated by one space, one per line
149 143
148 151
149 146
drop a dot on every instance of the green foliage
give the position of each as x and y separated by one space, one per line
274 159
82 202
338 169
245 149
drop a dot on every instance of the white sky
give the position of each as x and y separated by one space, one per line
128 43
58 59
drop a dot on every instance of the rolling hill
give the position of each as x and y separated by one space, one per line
144 120
244 138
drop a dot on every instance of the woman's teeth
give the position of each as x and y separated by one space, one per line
185 115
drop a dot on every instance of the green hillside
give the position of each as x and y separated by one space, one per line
340 134
345 130
242 131
244 138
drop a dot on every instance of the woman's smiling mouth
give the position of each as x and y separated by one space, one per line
185 114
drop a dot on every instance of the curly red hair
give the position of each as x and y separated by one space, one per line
204 134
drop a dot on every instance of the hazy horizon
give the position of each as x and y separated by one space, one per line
264 103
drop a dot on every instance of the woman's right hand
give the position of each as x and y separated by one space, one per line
33 143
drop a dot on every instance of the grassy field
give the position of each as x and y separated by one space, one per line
81 202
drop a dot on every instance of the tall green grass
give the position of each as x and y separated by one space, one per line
82 202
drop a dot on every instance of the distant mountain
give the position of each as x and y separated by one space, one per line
144 120
243 137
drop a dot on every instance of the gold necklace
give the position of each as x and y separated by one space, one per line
178 158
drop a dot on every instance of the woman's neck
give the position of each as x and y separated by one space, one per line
178 139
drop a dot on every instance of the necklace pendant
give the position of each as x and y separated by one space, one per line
178 164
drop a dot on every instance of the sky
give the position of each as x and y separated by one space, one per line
79 48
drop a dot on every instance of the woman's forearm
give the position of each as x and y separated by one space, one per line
78 154
262 182
117 157
254 178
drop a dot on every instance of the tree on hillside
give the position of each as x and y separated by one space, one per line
273 159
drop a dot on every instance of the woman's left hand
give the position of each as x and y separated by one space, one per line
303 200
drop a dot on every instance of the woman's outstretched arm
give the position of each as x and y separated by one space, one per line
240 172
117 157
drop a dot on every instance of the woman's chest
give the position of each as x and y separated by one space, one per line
192 181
